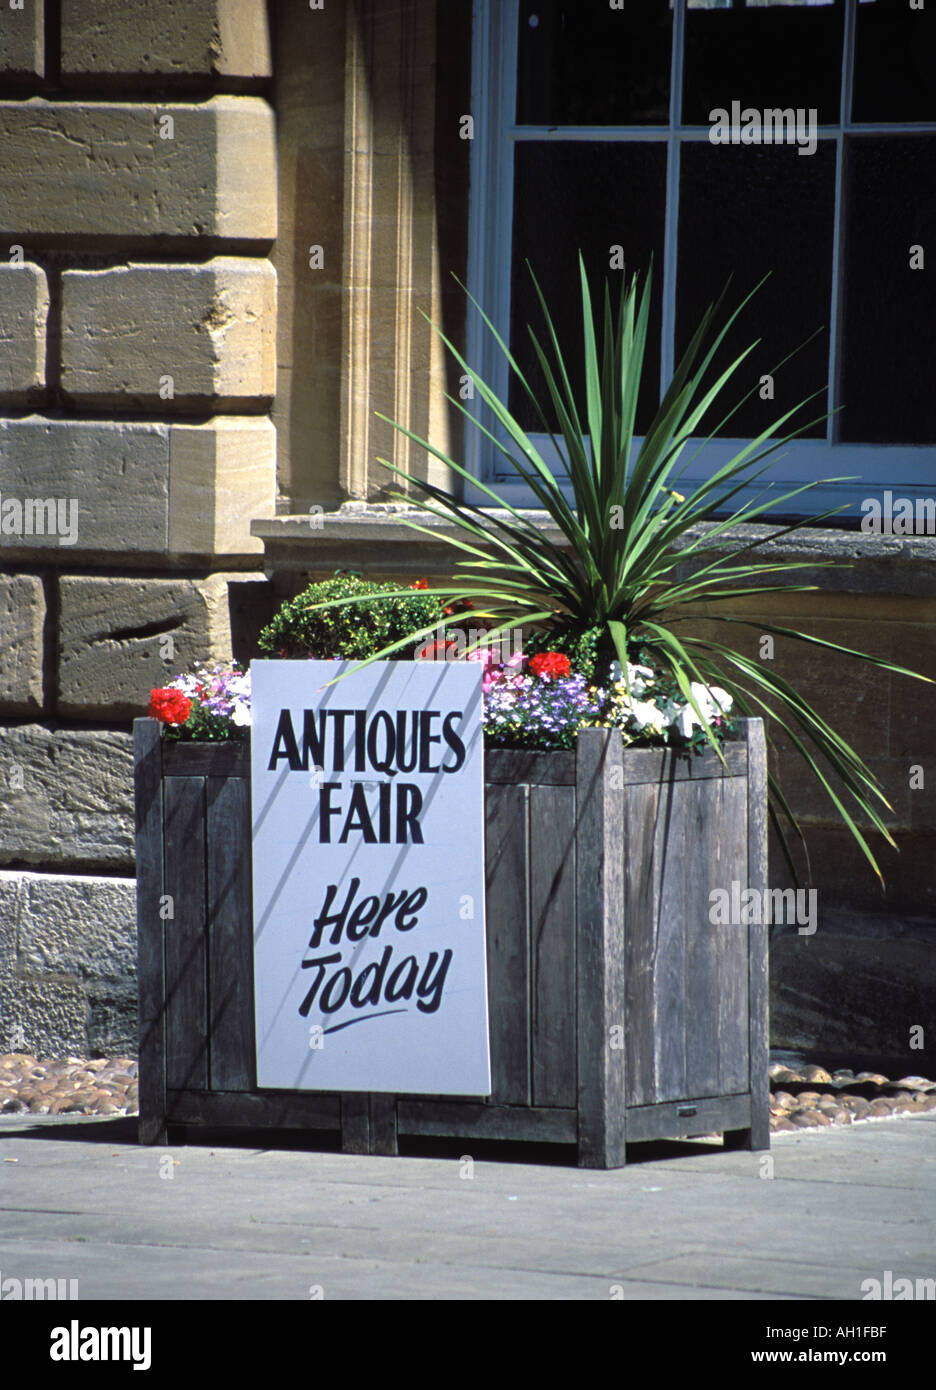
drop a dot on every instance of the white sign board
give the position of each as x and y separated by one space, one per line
370 969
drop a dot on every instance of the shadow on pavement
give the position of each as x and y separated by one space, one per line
122 1129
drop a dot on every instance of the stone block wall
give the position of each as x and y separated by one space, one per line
863 981
138 212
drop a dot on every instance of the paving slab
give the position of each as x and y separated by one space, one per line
79 1199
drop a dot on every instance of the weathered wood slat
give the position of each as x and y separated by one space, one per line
516 766
671 1119
151 978
732 946
382 1121
226 758
232 1051
668 1025
552 939
662 765
641 914
508 942
260 1109
355 1123
703 871
599 893
465 1120
640 765
185 935
757 1135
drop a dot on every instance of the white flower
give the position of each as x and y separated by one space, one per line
240 715
721 698
638 677
645 715
712 701
687 721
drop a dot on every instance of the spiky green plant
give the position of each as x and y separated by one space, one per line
627 530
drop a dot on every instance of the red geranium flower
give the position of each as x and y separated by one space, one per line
169 706
420 584
550 664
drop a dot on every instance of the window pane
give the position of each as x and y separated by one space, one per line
591 196
890 309
776 54
582 63
744 211
895 75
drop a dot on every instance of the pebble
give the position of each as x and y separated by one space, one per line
817 1075
109 1086
68 1085
803 1119
784 1074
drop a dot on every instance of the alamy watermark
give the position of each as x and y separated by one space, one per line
40 516
772 126
27 1290
746 907
77 1343
899 516
454 643
898 1290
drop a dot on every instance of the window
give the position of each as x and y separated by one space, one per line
596 128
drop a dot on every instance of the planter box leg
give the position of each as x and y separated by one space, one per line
599 947
383 1125
355 1123
152 1130
753 1139
151 970
598 1155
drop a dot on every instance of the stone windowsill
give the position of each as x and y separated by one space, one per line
373 537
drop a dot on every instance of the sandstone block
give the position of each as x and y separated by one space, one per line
135 488
169 38
68 987
22 46
67 797
222 475
171 336
22 616
122 637
108 484
24 309
878 969
82 927
49 1015
135 169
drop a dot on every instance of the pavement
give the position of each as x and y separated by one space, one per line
813 1219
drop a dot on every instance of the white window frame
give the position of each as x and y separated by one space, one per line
905 469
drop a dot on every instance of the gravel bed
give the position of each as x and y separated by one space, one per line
806 1099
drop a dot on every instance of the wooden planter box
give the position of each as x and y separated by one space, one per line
618 1011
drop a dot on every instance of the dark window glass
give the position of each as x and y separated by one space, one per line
744 211
895 62
591 196
890 309
766 55
583 63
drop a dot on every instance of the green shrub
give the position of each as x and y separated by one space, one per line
354 631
